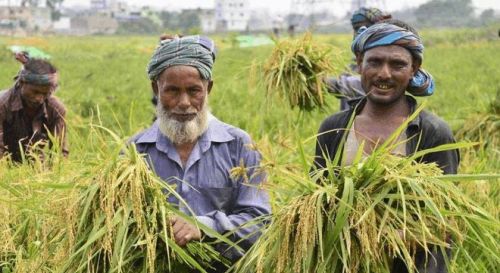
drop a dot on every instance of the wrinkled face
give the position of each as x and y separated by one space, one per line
182 92
386 72
34 95
182 109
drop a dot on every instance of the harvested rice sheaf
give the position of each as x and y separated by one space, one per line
121 224
295 71
361 217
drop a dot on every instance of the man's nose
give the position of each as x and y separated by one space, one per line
184 101
39 98
384 72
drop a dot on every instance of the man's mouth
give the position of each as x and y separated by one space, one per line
33 104
182 117
383 86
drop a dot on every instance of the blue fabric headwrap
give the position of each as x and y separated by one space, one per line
197 51
383 34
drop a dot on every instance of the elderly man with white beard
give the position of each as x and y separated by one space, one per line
189 147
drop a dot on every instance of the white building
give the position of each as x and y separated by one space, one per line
63 24
207 20
232 15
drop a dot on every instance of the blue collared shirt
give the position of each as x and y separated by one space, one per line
218 200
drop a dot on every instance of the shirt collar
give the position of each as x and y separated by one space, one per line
217 131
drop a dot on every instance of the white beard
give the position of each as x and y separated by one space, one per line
182 132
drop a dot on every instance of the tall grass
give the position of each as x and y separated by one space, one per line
105 77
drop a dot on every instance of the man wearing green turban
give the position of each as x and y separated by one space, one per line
190 148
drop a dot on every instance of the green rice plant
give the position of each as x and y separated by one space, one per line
295 72
34 201
360 218
107 215
483 127
121 223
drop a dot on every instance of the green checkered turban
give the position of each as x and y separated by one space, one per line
196 51
372 15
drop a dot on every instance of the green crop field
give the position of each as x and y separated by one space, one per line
104 85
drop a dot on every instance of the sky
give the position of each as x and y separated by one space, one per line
283 6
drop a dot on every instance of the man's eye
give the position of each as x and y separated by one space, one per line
400 65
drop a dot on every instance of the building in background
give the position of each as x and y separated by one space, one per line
93 24
208 23
232 15
21 21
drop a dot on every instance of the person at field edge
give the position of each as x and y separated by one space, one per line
347 85
389 59
29 112
191 148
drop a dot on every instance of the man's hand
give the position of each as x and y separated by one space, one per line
184 232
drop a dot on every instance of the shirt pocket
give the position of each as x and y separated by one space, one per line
219 198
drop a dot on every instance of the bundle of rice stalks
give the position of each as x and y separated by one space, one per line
483 127
121 224
362 217
295 71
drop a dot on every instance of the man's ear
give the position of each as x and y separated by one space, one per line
415 66
209 87
154 86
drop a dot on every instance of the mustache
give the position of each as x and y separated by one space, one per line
183 112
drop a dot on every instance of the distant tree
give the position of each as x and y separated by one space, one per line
184 22
140 26
55 7
487 17
446 13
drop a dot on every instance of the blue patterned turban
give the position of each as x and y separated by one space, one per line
383 34
197 51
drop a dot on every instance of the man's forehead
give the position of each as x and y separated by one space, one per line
388 51
38 88
183 70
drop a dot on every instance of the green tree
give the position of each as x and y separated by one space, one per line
445 13
140 26
184 22
53 5
487 17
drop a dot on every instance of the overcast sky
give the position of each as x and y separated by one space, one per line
341 6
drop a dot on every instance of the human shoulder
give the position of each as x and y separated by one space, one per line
224 132
148 135
55 104
4 96
336 121
5 99
434 124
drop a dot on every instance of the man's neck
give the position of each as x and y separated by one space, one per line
184 150
396 110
